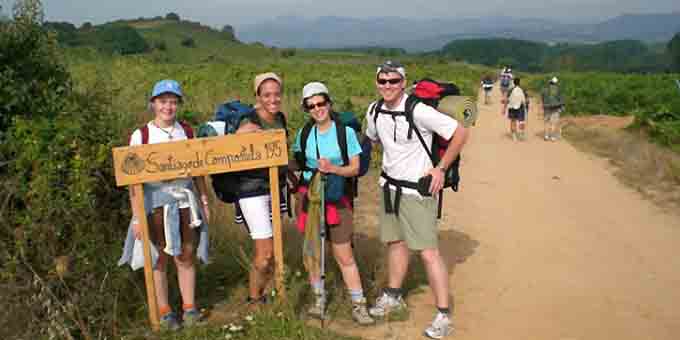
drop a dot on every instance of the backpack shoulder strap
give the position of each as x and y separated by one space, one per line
341 132
409 106
187 129
411 103
374 110
145 134
301 157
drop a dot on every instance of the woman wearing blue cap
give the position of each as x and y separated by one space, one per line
177 218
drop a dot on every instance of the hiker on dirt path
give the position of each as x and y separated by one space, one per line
411 222
323 153
254 201
552 108
176 216
516 106
506 81
487 86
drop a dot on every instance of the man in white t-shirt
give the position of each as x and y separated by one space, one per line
407 219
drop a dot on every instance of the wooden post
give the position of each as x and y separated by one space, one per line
140 212
276 224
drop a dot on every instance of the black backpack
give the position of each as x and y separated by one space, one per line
428 92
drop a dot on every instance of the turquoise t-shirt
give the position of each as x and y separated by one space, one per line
328 147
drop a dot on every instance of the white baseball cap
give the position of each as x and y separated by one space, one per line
312 89
553 80
391 66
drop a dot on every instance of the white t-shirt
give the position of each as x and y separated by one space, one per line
162 135
406 159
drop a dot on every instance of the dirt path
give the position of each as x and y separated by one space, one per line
544 243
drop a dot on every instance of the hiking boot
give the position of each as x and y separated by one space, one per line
169 322
522 136
386 304
191 317
514 136
318 308
360 313
441 326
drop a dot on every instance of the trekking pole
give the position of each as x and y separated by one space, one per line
322 235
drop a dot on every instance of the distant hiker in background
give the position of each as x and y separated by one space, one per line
487 86
516 106
409 183
254 200
323 153
505 79
177 218
552 108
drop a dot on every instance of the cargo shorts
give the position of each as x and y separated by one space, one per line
416 223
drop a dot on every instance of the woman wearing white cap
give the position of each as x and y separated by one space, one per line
322 152
254 197
177 219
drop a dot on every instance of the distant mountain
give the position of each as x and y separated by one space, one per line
432 34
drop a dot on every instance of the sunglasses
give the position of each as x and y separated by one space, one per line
319 105
393 81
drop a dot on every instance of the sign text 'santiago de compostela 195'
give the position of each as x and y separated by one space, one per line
198 157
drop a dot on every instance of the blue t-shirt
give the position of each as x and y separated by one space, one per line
328 147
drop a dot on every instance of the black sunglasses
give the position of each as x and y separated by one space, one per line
393 81
317 105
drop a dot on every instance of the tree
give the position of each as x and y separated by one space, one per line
172 16
34 83
674 52
229 29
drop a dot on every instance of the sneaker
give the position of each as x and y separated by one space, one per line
360 313
191 317
441 326
169 322
386 303
318 308
553 138
546 138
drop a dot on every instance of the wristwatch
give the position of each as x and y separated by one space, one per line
442 168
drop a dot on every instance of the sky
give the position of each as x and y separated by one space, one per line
243 12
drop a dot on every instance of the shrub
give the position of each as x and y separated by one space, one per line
188 42
172 16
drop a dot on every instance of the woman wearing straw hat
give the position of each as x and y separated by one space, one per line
254 201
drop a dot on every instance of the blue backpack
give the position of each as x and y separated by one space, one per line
228 116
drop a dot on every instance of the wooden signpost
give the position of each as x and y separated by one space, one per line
135 165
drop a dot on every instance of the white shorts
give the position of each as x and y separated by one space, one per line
256 212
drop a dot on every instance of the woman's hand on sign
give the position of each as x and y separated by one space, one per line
326 166
248 127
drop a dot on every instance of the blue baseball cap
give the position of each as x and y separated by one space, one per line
166 86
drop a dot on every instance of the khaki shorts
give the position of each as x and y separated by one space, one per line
416 223
551 115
